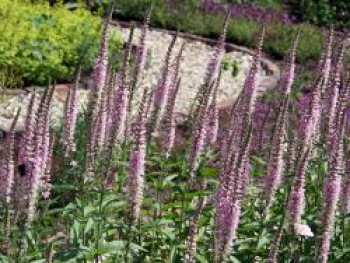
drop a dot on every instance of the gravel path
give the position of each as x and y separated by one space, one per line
196 55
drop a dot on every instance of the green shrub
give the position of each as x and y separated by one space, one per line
40 42
279 38
325 12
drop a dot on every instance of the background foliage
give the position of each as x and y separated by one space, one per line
190 18
40 42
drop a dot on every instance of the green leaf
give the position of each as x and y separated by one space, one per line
170 178
114 246
201 258
137 248
234 259
209 171
88 210
89 225
263 240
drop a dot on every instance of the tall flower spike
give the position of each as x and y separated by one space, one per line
119 119
149 104
199 133
116 135
276 161
162 89
251 83
193 227
331 193
273 249
125 81
296 199
140 52
212 66
213 127
111 86
43 128
343 103
346 187
46 178
136 169
327 59
216 56
288 74
71 116
229 197
246 100
169 123
176 66
100 67
243 108
168 120
119 104
314 114
27 143
334 88
37 165
101 127
99 77
7 163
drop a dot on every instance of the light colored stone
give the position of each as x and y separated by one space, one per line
195 59
9 108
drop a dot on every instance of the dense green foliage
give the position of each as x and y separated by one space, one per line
325 12
40 43
189 18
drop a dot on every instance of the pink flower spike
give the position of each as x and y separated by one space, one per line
169 123
7 163
136 169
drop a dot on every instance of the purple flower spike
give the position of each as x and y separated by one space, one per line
101 128
213 126
7 163
199 133
287 75
141 51
276 161
326 60
71 114
162 89
36 166
334 91
99 79
46 178
346 188
169 124
331 194
216 56
100 68
296 200
27 143
136 169
228 201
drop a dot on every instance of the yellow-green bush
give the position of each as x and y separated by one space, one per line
39 42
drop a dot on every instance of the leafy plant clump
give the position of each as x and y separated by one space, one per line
230 65
40 42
